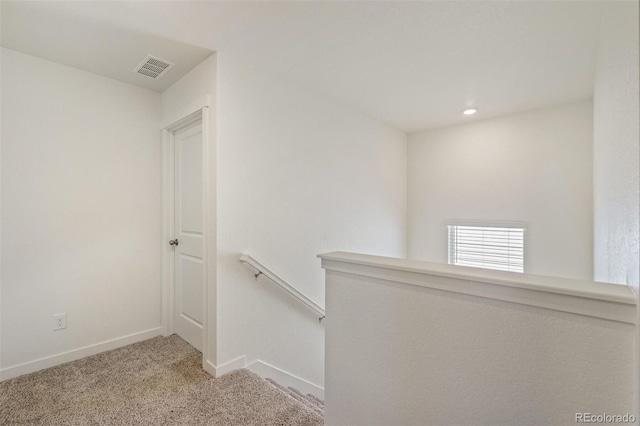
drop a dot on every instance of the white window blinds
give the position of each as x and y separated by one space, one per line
498 247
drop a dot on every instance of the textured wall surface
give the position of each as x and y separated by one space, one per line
616 162
402 354
616 148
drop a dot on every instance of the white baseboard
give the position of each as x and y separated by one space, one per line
53 360
259 367
225 368
265 370
284 378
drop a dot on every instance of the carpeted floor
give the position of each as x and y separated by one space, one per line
155 382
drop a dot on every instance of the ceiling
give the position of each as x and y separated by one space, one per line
97 47
412 65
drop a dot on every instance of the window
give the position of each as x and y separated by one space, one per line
487 245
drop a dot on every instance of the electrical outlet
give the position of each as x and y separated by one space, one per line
59 321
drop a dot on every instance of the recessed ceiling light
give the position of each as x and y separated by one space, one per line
469 111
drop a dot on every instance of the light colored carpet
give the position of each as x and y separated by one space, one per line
155 382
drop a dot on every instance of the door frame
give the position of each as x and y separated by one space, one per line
168 220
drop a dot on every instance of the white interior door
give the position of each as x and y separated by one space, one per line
187 243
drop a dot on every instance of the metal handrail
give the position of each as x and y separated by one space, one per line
263 270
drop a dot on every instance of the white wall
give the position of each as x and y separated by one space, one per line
185 96
414 349
297 175
534 167
81 209
0 197
616 171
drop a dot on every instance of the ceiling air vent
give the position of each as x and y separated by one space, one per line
153 67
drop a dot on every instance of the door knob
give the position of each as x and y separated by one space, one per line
173 242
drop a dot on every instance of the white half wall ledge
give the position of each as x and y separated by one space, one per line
589 298
266 370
